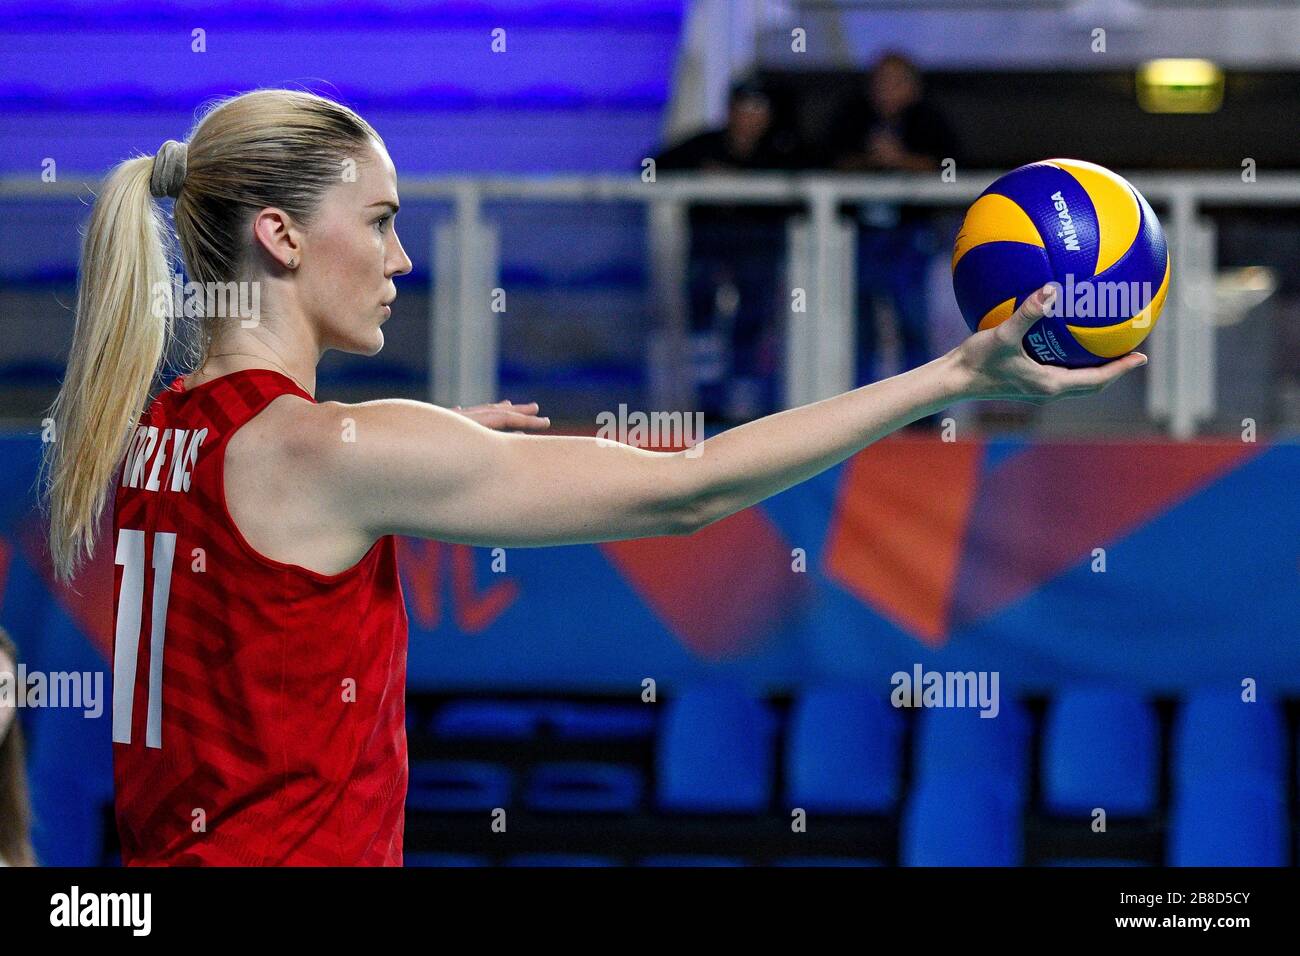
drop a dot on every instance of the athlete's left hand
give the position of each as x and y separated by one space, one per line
505 416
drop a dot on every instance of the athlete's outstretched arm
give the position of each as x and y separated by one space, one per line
421 470
747 464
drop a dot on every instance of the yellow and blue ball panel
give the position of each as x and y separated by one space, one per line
1074 223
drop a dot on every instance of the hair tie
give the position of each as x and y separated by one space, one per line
168 169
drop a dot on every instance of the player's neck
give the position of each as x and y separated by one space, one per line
234 358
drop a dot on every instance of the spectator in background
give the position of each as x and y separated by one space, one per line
892 127
736 258
15 812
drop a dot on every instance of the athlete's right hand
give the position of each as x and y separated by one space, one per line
994 363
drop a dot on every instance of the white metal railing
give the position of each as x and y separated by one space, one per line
819 344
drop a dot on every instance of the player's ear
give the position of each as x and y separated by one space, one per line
277 236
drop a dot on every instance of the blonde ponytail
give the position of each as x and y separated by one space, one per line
280 148
117 347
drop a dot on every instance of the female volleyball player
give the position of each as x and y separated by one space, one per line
259 630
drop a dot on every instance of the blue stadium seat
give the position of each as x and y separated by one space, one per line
960 822
440 786
714 753
584 788
844 752
690 860
1101 748
1216 732
957 743
1237 820
587 722
561 859
486 720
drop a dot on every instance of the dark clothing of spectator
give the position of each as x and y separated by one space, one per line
920 128
737 256
896 242
712 152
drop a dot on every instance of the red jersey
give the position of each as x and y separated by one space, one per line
258 707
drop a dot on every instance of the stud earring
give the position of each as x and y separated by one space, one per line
292 263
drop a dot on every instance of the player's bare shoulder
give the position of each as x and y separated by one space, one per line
395 464
284 484
267 455
335 451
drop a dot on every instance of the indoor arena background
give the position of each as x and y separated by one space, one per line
1121 570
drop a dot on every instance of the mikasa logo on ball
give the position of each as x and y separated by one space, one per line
1067 223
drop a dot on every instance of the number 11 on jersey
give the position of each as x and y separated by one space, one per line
126 639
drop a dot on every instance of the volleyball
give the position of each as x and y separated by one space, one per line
1076 224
